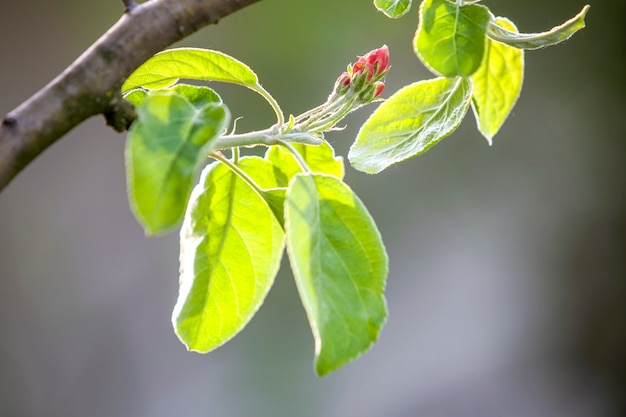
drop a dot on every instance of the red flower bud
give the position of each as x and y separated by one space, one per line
379 59
379 86
343 83
363 67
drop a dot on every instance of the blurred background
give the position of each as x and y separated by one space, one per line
507 288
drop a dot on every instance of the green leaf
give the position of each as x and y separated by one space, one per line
231 246
275 199
538 40
497 83
393 8
319 158
167 67
136 96
172 135
340 267
410 122
264 173
450 39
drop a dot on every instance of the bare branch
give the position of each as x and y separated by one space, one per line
129 5
91 85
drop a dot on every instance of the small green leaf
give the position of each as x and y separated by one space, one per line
538 40
172 135
261 171
136 96
167 67
497 83
393 8
450 39
340 267
319 158
231 246
267 177
275 199
410 122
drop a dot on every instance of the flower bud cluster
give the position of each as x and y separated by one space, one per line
364 77
359 85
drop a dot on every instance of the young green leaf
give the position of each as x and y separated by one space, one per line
340 267
410 122
167 67
319 158
393 8
231 246
269 178
497 83
538 40
450 39
174 132
136 96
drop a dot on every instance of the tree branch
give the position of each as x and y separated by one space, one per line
91 85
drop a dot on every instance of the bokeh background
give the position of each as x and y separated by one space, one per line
507 290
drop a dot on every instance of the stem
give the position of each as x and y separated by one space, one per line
238 171
267 137
326 109
277 110
313 111
328 121
92 83
296 155
259 137
236 152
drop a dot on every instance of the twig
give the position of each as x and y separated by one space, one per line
91 85
129 5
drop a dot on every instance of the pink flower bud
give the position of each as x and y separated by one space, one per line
343 83
344 79
379 86
379 59
363 67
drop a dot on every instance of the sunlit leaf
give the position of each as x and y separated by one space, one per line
497 83
174 132
136 96
167 67
270 179
340 267
393 8
538 40
450 39
319 158
410 122
231 246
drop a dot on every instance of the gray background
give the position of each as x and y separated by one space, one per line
508 264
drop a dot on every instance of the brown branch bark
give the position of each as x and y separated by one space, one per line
91 85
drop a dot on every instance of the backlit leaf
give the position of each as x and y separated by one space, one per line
410 122
269 178
167 67
231 246
340 267
174 132
450 39
538 40
319 158
497 83
393 8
